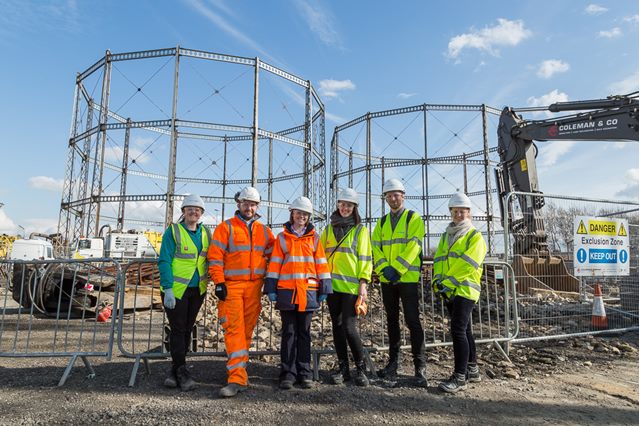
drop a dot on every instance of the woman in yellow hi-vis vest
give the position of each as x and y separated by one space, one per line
183 281
457 271
347 245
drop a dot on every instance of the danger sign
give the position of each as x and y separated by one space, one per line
601 246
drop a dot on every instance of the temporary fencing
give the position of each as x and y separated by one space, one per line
553 301
54 308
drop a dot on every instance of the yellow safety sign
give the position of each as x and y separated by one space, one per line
602 227
622 231
582 228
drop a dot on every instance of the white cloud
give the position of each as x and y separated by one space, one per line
335 118
113 154
632 19
320 22
547 99
550 67
42 225
45 182
627 85
632 188
551 152
505 33
332 88
7 226
612 33
595 9
405 95
632 174
225 26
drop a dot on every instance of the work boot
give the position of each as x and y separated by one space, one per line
360 375
286 384
305 383
456 383
231 390
184 379
340 373
171 380
420 375
472 374
390 371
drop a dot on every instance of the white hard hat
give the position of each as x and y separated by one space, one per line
348 194
193 200
393 185
459 200
249 194
303 204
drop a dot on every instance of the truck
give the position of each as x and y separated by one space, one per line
615 118
116 245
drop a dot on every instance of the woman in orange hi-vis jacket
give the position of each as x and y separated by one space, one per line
298 280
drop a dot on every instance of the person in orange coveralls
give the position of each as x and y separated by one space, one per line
298 280
237 260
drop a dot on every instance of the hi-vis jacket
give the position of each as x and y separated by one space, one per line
351 261
457 272
238 253
400 248
298 270
187 259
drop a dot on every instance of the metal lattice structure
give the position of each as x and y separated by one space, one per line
433 160
149 127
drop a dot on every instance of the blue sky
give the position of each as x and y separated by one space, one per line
360 55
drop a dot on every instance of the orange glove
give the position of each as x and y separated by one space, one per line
361 308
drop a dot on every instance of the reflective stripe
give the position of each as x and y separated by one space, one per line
205 277
276 259
377 244
239 247
237 354
309 259
216 262
347 250
348 279
321 261
414 268
241 364
470 237
417 240
283 243
380 261
259 271
316 242
437 276
236 272
296 276
258 248
403 262
184 255
440 259
464 283
203 253
220 244
365 258
272 275
181 280
395 241
470 260
325 276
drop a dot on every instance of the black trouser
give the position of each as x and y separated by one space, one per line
181 320
295 349
409 295
460 310
342 309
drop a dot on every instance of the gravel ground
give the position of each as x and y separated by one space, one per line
576 381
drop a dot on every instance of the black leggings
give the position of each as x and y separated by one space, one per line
460 310
181 319
342 309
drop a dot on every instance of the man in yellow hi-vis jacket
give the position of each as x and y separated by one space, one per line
397 255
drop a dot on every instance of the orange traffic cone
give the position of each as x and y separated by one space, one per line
599 319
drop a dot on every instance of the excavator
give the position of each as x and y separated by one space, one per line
615 118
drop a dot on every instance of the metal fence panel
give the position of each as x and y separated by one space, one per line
58 308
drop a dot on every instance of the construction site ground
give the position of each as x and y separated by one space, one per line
587 380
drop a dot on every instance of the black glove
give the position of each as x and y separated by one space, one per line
391 274
220 291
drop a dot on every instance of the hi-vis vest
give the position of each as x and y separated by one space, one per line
351 261
239 254
457 272
400 248
187 259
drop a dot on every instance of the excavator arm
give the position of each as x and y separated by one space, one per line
612 119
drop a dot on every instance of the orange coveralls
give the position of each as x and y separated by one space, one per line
237 256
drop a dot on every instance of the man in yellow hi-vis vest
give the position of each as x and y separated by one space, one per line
397 256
